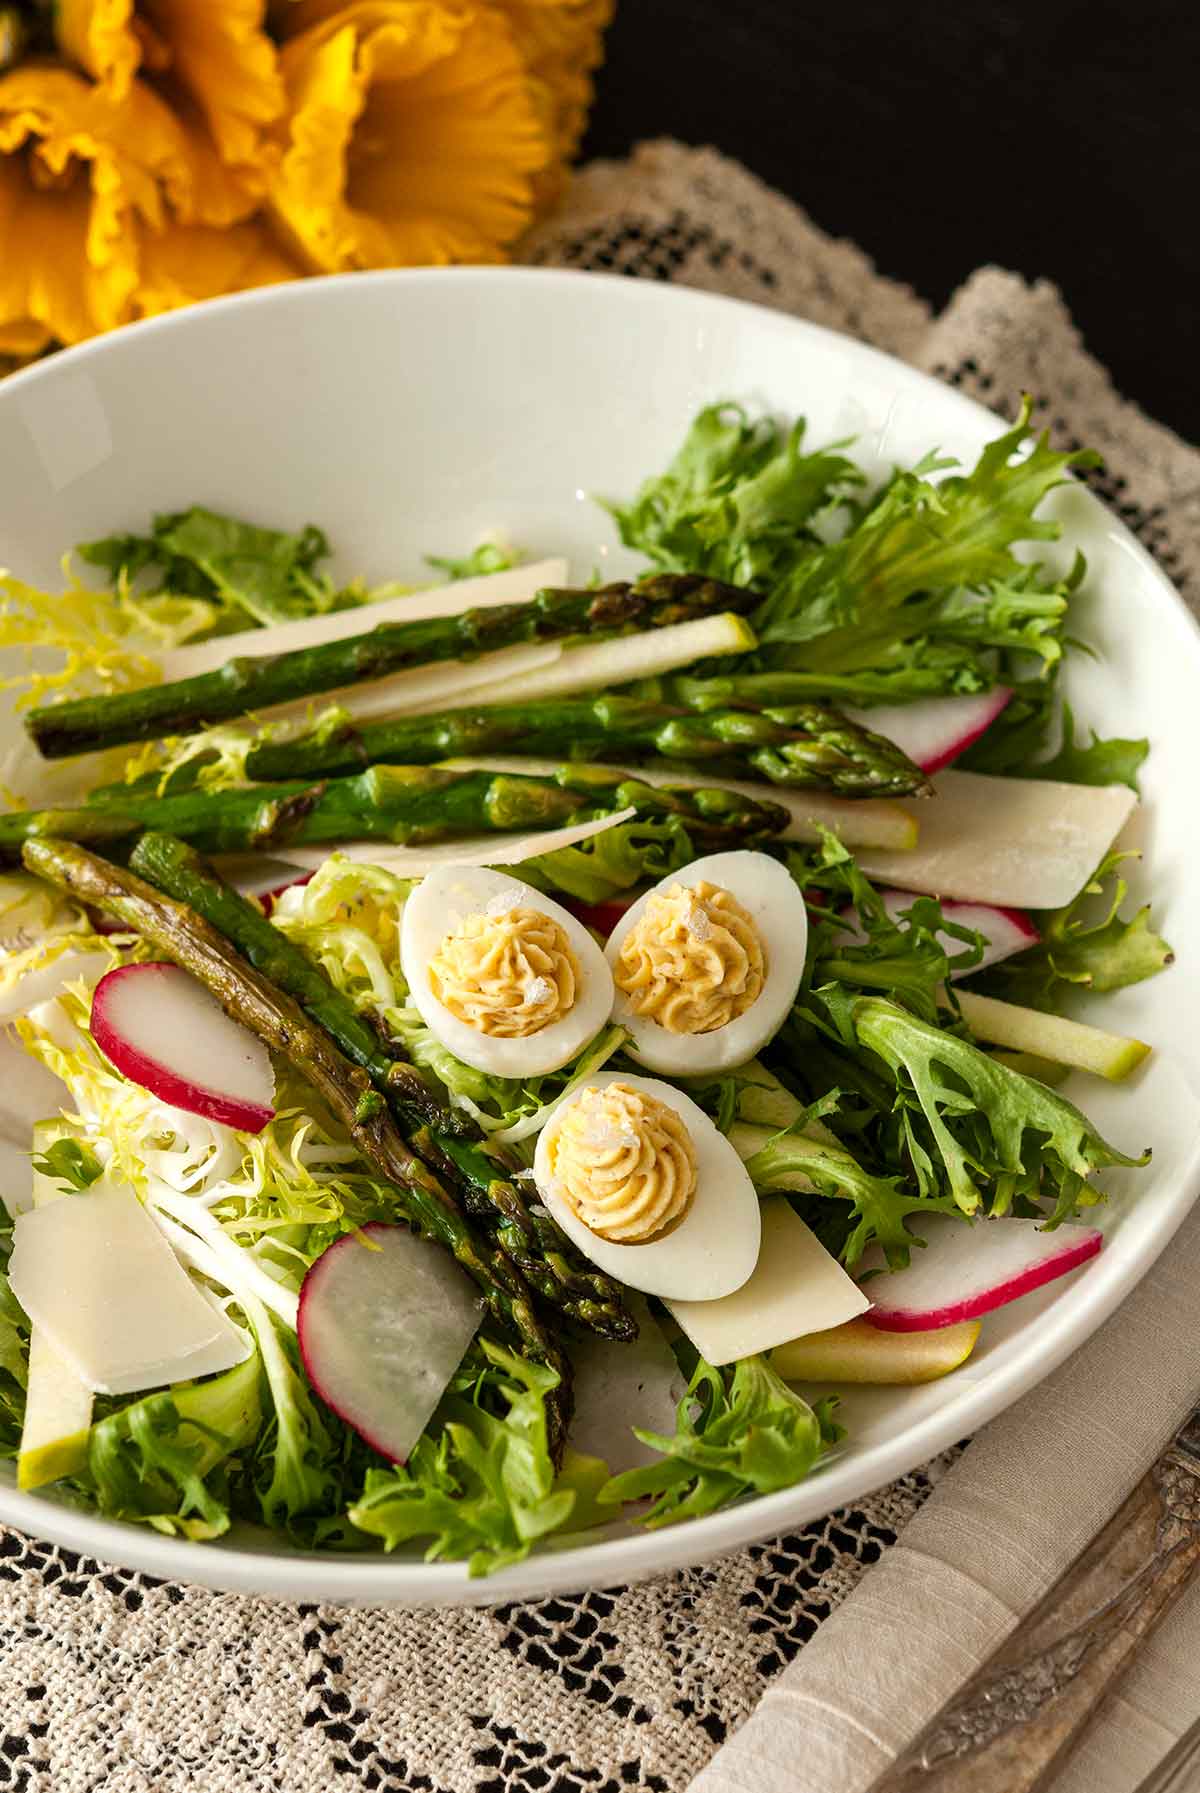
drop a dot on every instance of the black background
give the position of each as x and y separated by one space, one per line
1059 140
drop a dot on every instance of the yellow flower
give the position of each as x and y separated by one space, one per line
561 42
182 263
213 63
414 135
80 175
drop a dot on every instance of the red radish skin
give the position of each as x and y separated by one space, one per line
602 918
385 1320
967 1270
934 731
1006 931
128 1008
269 898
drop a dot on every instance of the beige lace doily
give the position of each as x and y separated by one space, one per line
112 1680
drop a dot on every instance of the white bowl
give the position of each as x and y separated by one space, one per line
410 413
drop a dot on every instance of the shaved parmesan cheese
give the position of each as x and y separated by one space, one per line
622 1385
443 684
869 822
476 849
28 1093
514 586
796 1287
96 1275
1028 843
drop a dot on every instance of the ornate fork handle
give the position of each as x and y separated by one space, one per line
1013 1723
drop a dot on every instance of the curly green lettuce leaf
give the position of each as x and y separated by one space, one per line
265 575
879 1207
1111 761
738 501
856 941
295 1462
71 1163
976 1128
739 1431
165 1460
1087 945
480 1484
488 557
920 535
613 861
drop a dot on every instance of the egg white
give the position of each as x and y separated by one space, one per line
767 892
446 897
714 1248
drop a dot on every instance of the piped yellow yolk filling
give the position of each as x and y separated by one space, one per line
693 961
508 973
624 1162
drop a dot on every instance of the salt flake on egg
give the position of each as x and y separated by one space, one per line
441 905
762 900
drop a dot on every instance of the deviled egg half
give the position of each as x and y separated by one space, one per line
507 979
707 964
648 1188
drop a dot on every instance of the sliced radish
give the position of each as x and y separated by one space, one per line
619 1385
602 918
385 1320
861 1352
162 1029
1031 843
1005 931
967 1269
1073 1043
935 730
269 898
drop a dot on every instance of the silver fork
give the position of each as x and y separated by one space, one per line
1179 1770
1015 1721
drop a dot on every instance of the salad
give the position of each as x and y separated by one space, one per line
482 1062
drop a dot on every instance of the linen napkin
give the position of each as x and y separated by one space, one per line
1004 1522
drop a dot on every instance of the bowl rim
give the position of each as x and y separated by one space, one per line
228 1564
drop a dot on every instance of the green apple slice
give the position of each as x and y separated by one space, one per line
1007 1024
860 1352
58 1405
58 1418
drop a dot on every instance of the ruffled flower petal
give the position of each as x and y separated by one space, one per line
77 170
414 136
214 63
99 36
220 52
185 262
562 43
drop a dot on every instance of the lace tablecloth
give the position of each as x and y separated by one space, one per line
112 1680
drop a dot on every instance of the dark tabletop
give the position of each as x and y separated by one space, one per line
1060 139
